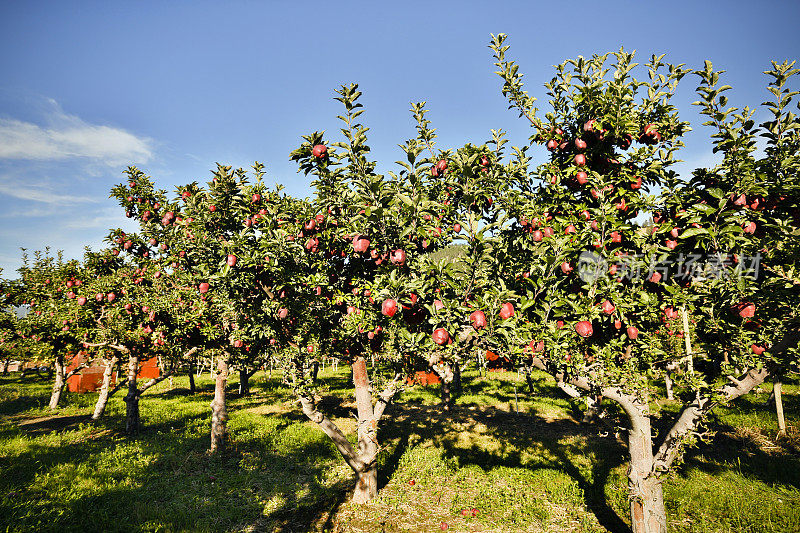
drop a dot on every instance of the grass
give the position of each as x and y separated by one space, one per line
521 460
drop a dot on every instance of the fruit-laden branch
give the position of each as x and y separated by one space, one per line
332 431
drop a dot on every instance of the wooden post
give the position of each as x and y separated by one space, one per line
776 389
687 341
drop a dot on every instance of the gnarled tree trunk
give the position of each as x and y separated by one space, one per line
244 380
105 388
219 411
60 382
648 514
132 422
192 387
367 482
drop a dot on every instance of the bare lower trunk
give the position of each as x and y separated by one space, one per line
244 381
219 412
60 383
5 366
367 482
529 380
776 389
446 375
457 380
105 388
648 514
132 422
192 387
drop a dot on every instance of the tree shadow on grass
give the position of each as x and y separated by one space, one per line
47 424
511 433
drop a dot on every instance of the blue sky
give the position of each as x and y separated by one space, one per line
88 88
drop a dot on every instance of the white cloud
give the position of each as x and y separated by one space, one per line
39 192
105 218
67 136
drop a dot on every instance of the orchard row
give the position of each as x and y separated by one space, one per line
600 265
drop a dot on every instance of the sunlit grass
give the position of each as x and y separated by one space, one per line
522 461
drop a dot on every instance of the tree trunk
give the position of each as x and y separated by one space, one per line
60 383
668 384
529 380
102 399
457 380
776 389
648 514
5 366
447 397
192 387
244 381
367 483
132 422
219 412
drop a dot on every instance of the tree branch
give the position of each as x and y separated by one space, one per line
155 381
332 431
385 397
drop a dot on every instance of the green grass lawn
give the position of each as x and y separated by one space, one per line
524 462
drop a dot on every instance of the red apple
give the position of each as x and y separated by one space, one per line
360 244
256 198
478 319
746 310
231 260
111 297
203 287
580 145
283 313
584 328
750 228
389 307
633 333
319 151
398 257
758 350
608 307
81 300
579 160
582 177
507 311
566 268
440 336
